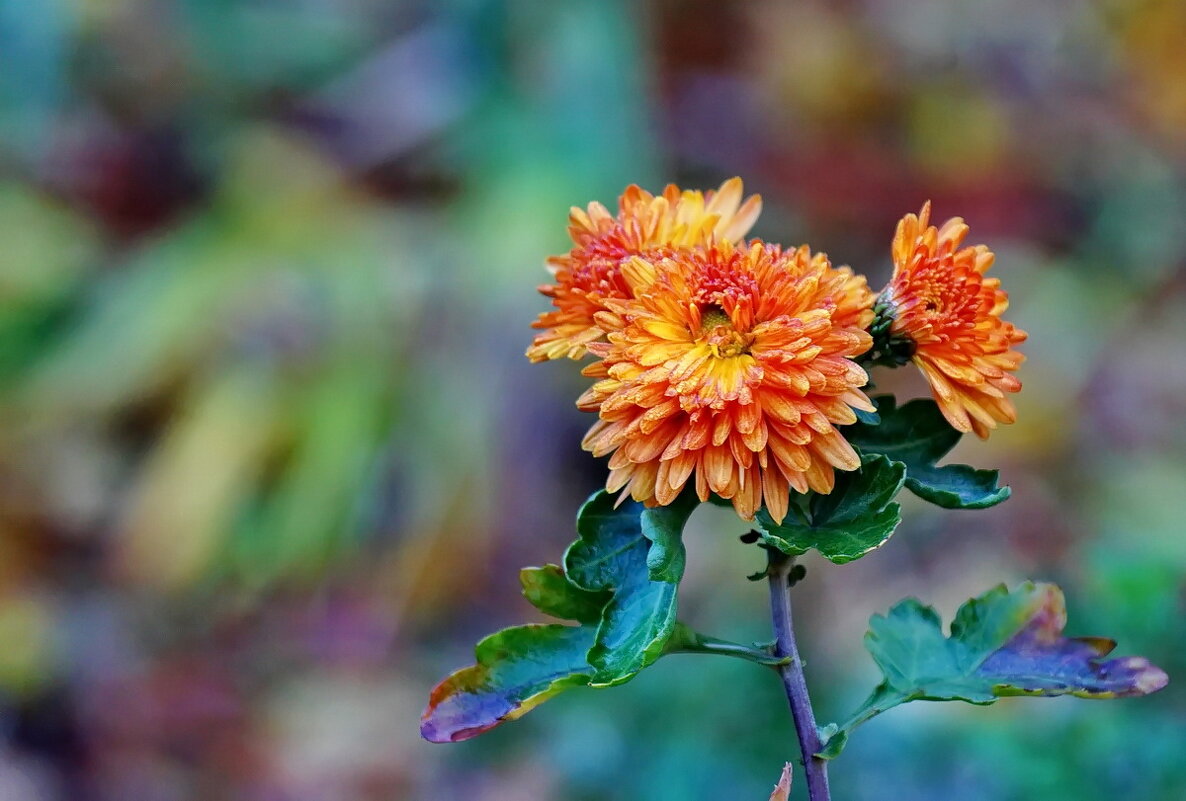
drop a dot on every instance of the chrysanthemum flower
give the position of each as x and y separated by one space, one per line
645 225
730 367
946 315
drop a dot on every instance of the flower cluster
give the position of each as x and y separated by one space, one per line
731 366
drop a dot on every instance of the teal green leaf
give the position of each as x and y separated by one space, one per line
918 435
867 418
855 518
1003 643
663 526
613 553
547 589
627 621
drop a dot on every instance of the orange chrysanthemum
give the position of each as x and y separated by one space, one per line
947 316
646 225
730 367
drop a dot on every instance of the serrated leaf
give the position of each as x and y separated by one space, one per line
627 620
517 669
612 554
918 435
855 518
548 590
1003 643
520 667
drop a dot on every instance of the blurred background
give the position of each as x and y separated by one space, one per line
271 456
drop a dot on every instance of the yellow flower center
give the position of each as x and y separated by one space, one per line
722 338
713 316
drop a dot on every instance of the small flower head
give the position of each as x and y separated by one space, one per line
645 225
729 367
947 315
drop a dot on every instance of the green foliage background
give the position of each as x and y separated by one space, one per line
270 456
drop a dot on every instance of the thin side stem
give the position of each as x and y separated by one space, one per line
686 641
793 680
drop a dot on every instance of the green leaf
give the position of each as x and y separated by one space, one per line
613 553
521 667
867 418
627 621
1003 643
917 435
852 520
517 669
664 527
547 589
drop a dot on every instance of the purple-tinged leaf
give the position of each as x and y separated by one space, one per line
1003 643
517 669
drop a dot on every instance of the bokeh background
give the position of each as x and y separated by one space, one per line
270 454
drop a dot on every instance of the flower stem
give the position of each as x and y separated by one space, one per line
686 641
793 680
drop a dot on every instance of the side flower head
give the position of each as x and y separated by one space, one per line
729 366
946 315
646 225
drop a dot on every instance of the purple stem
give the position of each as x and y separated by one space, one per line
792 677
